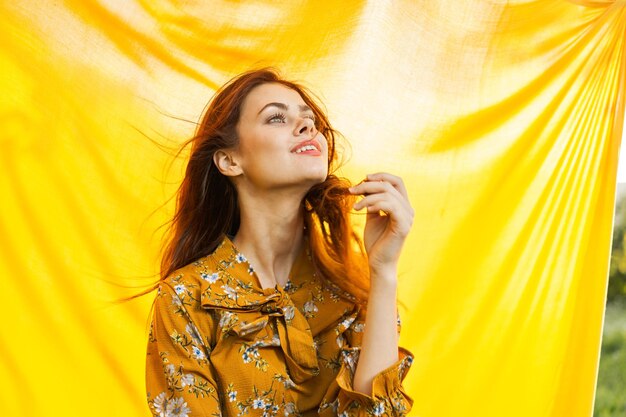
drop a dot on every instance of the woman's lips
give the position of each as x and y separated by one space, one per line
312 142
310 152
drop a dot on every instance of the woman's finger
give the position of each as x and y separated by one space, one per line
369 200
394 180
403 222
380 187
394 206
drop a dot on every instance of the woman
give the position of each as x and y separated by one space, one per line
269 303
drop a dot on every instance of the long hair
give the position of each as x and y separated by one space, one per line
207 206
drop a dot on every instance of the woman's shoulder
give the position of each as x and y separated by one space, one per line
190 280
221 279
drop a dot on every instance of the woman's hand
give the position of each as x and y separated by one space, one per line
384 235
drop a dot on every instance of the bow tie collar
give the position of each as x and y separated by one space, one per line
230 285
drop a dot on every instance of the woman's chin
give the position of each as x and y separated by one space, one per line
319 177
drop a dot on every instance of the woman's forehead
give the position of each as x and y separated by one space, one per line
263 94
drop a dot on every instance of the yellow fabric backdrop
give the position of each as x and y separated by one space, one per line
503 118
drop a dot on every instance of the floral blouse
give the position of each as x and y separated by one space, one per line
220 345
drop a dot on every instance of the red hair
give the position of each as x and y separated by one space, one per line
207 207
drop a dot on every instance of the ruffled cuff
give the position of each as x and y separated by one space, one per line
388 396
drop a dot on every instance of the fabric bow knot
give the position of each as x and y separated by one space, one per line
294 333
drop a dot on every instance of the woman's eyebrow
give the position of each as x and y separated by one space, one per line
285 107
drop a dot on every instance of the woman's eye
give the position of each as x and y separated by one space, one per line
276 117
280 117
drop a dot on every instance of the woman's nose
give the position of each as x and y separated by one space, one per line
305 125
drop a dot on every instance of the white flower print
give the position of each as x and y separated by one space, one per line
290 408
249 354
379 409
405 365
288 383
197 353
159 404
343 414
359 327
187 379
230 292
310 307
193 332
274 341
250 270
251 327
258 403
240 258
350 358
211 279
288 311
232 396
225 319
180 289
341 340
177 407
346 323
170 369
316 343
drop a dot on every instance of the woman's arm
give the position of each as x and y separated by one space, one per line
179 374
384 237
379 349
369 382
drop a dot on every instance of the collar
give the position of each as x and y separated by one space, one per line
229 282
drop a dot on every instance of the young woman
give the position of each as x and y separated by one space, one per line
269 303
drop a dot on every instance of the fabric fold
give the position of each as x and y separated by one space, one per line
296 340
388 396
225 289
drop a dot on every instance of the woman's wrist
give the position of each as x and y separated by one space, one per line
385 277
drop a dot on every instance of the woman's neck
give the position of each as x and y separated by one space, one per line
271 236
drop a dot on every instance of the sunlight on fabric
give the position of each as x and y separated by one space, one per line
621 168
503 118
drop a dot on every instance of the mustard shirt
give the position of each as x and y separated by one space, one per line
220 345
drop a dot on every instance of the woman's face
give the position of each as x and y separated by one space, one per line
274 124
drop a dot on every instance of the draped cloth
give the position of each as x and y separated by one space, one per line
503 118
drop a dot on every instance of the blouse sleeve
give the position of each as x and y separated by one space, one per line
179 377
388 396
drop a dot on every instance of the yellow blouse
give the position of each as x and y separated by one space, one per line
220 345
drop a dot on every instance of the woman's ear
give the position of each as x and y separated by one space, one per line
226 163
